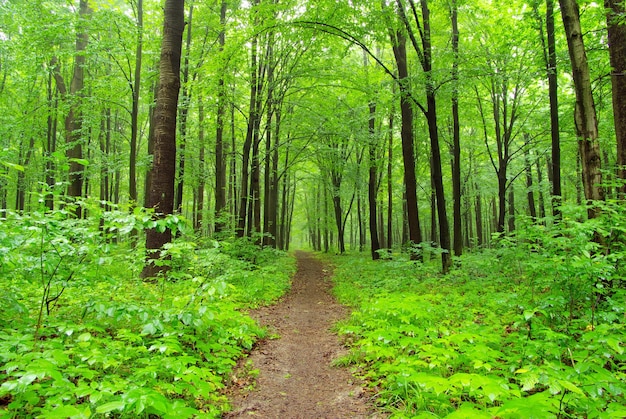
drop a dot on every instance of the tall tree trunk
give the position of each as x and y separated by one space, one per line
617 52
220 161
242 215
183 114
372 189
390 179
198 214
51 139
20 202
456 137
431 116
585 113
542 202
73 120
267 175
164 164
406 133
152 121
554 110
529 188
134 114
479 217
511 207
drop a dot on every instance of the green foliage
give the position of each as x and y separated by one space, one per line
533 328
82 336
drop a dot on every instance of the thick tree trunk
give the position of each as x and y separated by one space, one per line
406 133
617 52
585 113
164 164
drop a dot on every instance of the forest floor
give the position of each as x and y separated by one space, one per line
295 377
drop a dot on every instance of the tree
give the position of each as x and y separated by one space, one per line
456 135
615 12
585 113
398 42
73 120
164 165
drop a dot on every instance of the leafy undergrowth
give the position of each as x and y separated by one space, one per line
81 336
533 329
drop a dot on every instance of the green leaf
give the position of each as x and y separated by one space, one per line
109 407
82 162
14 166
571 387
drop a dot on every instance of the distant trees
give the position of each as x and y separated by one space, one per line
284 132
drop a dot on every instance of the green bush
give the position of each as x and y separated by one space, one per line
82 336
532 328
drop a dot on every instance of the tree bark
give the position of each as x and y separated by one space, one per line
372 190
73 120
617 52
554 110
456 137
406 133
164 164
134 115
220 161
183 109
585 112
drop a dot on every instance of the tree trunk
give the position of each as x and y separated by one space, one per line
51 139
511 220
164 164
134 114
220 161
199 210
390 179
406 133
585 113
73 120
554 110
183 113
242 216
372 189
456 137
617 52
532 210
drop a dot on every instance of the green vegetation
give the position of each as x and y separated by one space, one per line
81 336
533 327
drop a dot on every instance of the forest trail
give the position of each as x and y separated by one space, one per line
296 379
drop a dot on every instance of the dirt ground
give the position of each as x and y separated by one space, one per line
296 379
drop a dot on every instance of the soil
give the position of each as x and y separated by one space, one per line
296 379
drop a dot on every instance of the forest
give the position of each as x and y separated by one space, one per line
460 164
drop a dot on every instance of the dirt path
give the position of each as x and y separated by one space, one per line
296 379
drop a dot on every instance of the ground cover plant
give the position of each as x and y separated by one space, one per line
82 336
531 328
